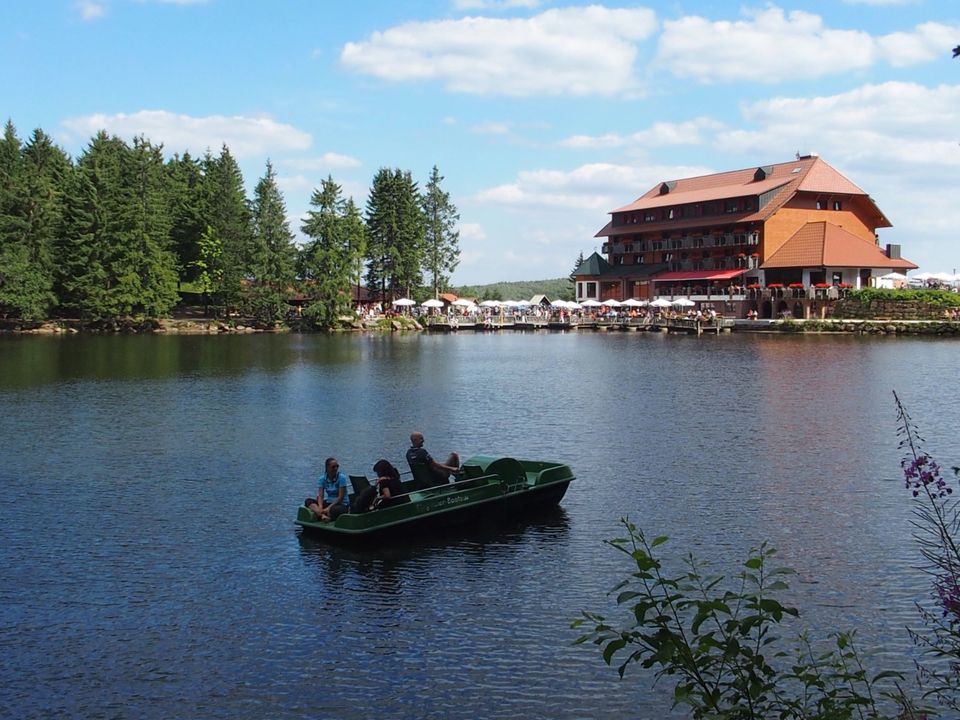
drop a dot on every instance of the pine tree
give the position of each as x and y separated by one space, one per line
31 217
153 275
394 234
326 262
274 254
355 237
184 188
441 240
226 211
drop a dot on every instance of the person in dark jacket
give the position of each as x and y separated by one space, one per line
389 489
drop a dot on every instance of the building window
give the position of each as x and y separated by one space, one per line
658 244
676 244
649 216
819 204
732 206
698 242
837 205
591 290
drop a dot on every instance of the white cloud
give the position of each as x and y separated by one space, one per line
690 132
324 163
245 136
598 187
90 10
472 231
772 46
889 125
570 51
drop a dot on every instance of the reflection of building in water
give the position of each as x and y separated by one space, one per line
781 239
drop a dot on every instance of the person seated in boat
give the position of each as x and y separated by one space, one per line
389 488
331 499
422 464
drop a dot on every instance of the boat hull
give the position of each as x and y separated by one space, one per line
490 488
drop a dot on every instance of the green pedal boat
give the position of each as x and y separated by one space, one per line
486 487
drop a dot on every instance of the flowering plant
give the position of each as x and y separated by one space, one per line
821 285
846 286
753 286
775 285
936 526
795 285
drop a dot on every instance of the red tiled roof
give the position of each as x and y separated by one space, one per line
822 244
683 196
699 275
806 174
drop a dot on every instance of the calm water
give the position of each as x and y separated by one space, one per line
150 568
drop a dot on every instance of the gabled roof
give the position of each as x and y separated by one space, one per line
822 244
807 174
595 266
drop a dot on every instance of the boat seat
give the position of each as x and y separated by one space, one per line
423 477
359 483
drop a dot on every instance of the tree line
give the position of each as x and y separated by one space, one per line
120 231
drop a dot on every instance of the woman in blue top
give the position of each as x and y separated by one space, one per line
331 500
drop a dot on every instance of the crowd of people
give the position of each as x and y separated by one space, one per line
333 493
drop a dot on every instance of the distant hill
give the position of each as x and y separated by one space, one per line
557 289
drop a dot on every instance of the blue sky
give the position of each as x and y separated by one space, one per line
542 116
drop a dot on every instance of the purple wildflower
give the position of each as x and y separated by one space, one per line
923 472
948 593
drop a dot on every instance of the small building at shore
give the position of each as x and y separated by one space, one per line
778 239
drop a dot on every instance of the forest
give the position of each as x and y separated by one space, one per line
123 232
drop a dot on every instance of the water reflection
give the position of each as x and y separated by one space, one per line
184 459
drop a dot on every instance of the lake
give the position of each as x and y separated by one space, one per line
150 567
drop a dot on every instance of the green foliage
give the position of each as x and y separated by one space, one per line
327 261
32 181
934 298
720 646
442 240
555 289
184 191
395 234
273 255
936 530
225 209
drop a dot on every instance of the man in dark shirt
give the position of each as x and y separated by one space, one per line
421 461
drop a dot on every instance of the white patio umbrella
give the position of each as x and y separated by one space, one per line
922 277
590 303
404 302
611 303
432 303
661 303
464 303
683 302
942 277
491 303
633 302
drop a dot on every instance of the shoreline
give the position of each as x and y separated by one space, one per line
196 326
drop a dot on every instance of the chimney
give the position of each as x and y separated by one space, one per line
893 252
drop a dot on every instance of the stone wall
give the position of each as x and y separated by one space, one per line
888 310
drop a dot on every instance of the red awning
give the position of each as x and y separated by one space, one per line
681 275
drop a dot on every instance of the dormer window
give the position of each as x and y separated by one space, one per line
762 173
667 187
